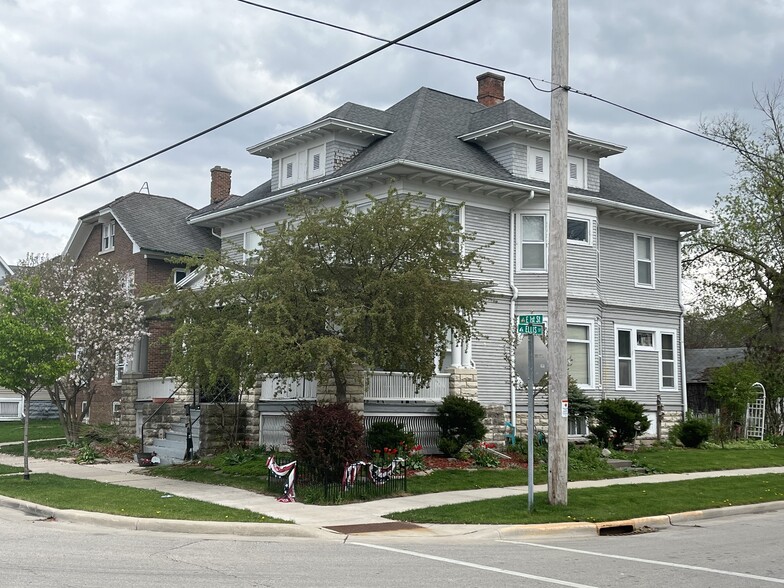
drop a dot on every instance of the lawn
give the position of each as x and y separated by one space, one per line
609 503
39 429
679 460
45 449
69 493
6 469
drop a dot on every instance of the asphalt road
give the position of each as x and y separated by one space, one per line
743 550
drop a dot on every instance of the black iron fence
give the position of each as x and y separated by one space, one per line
355 482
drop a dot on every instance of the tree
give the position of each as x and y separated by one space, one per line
34 348
732 386
102 320
739 263
331 290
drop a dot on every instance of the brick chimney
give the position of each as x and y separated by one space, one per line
220 187
491 89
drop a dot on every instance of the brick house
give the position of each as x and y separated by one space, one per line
141 233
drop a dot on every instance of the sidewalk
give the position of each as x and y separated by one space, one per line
316 518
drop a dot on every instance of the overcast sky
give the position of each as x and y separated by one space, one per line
88 86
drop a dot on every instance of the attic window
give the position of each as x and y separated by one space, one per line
289 170
107 236
572 171
316 161
540 164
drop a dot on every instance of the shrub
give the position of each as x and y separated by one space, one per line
482 457
325 436
389 435
460 421
692 432
615 421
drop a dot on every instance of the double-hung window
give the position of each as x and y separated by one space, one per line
624 359
667 361
533 243
107 236
578 348
643 258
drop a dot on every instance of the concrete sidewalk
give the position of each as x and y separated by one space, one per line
315 518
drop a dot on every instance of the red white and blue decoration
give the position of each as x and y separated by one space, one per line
377 474
290 470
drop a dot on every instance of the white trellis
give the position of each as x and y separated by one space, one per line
755 414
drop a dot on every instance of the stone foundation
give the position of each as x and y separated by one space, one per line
355 391
463 382
217 426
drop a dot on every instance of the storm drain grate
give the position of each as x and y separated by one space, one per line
374 527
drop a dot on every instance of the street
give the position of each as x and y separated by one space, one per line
742 550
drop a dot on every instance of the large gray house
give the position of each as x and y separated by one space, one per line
489 157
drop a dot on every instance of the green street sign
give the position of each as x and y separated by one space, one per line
524 329
530 319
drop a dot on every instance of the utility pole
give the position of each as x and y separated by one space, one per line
558 458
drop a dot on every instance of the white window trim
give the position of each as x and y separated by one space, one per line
578 182
284 162
116 407
588 233
179 270
583 425
637 260
321 152
120 363
633 368
108 235
545 155
591 351
674 360
519 244
87 416
654 339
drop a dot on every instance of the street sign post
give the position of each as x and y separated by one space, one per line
530 324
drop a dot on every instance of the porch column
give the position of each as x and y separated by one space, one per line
457 352
465 359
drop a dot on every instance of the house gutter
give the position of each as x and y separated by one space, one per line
512 305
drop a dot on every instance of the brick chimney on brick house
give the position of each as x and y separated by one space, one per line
491 89
220 187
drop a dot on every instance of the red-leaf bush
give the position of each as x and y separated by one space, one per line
325 436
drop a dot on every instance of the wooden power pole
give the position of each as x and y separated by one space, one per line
558 460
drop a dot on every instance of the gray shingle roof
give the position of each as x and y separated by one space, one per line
699 362
425 129
158 223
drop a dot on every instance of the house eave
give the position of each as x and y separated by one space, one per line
312 132
523 130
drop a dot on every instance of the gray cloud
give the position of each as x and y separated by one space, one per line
86 87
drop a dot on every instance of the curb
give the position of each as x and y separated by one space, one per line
166 525
637 525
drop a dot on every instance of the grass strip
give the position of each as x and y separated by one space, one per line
609 503
678 460
7 469
49 449
39 429
88 495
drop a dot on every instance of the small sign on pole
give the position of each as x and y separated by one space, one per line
565 408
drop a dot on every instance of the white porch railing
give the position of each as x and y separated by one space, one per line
276 388
150 388
397 386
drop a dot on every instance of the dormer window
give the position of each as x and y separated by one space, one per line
316 161
107 236
539 164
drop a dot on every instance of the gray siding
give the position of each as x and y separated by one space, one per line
492 233
582 271
592 174
513 157
275 174
617 272
338 153
231 247
488 353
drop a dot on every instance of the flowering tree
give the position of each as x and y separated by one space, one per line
102 319
34 348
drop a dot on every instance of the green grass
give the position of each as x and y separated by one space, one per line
678 460
49 449
68 493
39 429
6 469
610 503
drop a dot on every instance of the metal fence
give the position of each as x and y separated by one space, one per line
327 485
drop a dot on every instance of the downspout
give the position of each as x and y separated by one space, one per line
512 307
684 396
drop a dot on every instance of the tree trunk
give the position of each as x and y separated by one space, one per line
26 435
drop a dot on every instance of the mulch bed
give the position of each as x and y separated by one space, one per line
437 462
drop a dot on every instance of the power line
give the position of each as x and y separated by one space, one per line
406 45
310 82
530 79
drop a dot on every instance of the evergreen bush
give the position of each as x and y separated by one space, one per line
615 421
460 422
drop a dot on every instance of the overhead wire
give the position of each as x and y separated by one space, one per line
277 98
530 79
